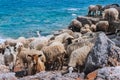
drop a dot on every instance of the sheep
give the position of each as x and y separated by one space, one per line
94 9
93 28
23 56
38 43
24 41
110 14
77 35
78 57
10 42
102 26
110 6
62 37
10 57
76 43
75 25
2 48
85 29
54 54
70 32
37 64
118 8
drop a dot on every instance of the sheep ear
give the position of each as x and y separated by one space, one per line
39 55
29 56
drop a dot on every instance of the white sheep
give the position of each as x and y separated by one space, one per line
77 57
76 43
54 54
63 37
38 43
10 57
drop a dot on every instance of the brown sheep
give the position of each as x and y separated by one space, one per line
37 64
102 26
23 56
75 25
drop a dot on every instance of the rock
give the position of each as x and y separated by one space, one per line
108 73
88 20
53 75
114 25
116 41
103 50
8 76
92 75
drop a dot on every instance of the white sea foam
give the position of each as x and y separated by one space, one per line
74 14
73 9
2 40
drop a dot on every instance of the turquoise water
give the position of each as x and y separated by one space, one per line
25 17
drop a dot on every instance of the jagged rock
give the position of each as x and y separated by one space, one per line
113 26
108 73
84 20
88 20
102 54
116 41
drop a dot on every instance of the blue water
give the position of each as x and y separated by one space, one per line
25 17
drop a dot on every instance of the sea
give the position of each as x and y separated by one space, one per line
25 17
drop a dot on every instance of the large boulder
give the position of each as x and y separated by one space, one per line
104 53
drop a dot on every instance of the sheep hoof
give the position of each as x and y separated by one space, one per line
21 73
65 72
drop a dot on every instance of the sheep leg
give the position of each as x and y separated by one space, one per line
11 66
89 13
62 63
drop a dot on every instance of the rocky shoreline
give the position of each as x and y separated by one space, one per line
101 63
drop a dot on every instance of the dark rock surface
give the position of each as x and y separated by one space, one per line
102 54
87 20
108 73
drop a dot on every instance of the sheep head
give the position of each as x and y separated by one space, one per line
34 58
